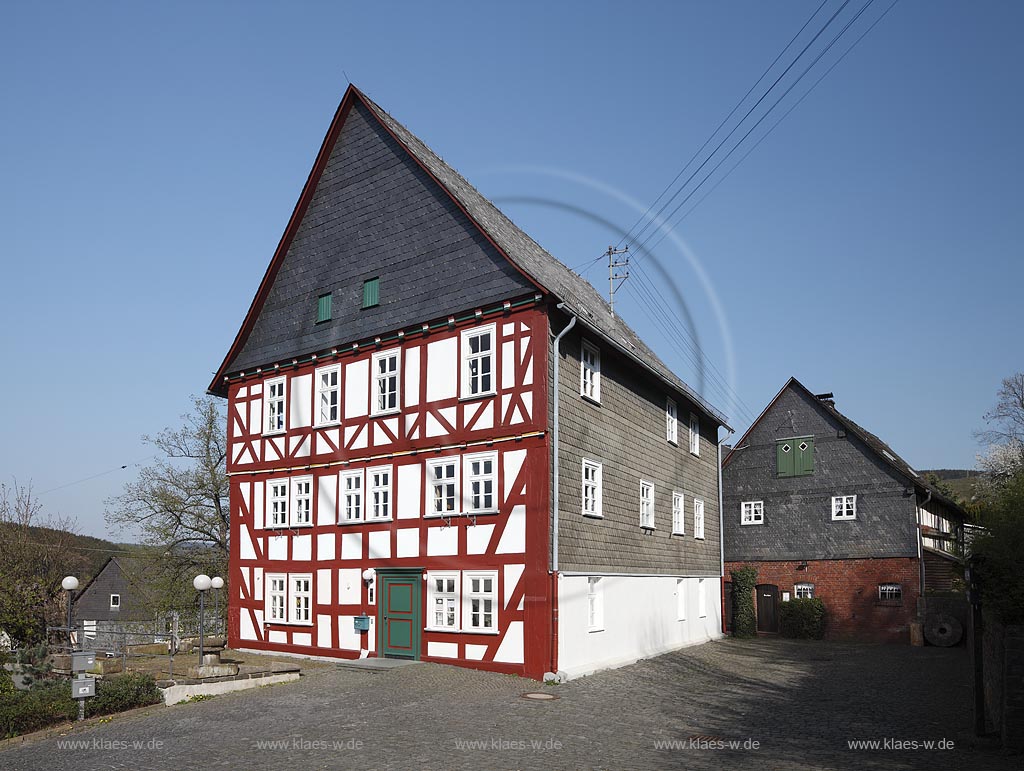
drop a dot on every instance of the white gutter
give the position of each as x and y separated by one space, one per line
554 438
721 514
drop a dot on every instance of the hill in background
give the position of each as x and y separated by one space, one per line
961 481
93 551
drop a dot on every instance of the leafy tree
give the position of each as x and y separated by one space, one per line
36 552
1005 431
180 503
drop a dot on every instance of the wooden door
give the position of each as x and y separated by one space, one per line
767 608
399 614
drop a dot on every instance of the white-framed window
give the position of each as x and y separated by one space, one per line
678 514
478 361
671 422
274 405
694 434
481 481
276 600
328 395
443 600
378 482
302 502
351 508
590 371
591 488
595 604
89 630
443 485
480 601
702 598
386 377
301 599
646 504
698 519
844 507
278 502
752 513
890 592
681 599
803 591
115 602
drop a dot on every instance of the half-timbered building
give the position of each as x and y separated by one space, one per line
444 446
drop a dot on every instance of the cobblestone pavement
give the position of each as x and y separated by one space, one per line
801 701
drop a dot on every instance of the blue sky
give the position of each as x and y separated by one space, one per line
150 157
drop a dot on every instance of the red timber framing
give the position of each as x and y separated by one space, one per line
435 421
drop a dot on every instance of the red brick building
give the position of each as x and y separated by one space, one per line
821 507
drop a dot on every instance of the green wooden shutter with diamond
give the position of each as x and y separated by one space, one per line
785 458
804 461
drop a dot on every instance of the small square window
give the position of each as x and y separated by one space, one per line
752 513
323 308
844 507
371 292
115 602
890 593
803 591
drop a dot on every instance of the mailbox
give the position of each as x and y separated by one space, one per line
82 660
83 687
362 623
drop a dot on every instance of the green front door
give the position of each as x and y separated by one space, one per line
399 616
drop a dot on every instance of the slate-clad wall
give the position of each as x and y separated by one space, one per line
375 212
626 433
798 510
93 603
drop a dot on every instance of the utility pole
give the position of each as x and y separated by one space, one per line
614 277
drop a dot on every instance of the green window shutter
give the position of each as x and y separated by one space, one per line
805 456
323 308
785 454
371 292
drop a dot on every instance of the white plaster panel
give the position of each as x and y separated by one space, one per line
513 463
325 545
327 499
408 542
323 631
380 545
512 575
351 546
475 652
277 636
442 369
247 631
508 364
300 390
245 549
442 541
323 586
357 388
302 547
350 584
348 638
513 539
277 547
477 538
302 638
407 504
257 505
411 392
511 648
443 650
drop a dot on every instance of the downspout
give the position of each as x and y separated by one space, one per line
721 527
554 489
920 539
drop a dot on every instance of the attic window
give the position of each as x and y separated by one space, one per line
115 602
371 292
323 308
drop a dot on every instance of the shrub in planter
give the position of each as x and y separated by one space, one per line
803 618
120 693
744 620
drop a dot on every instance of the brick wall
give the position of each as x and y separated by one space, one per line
849 590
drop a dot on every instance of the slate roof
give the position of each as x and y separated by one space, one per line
551 275
883 451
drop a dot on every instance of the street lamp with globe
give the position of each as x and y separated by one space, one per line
202 584
69 585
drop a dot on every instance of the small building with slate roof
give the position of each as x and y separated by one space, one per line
821 507
116 607
443 445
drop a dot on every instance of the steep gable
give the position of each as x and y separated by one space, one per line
373 213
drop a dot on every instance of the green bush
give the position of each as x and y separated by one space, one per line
803 618
50 702
120 693
744 620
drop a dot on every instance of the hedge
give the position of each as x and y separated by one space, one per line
50 702
803 618
744 620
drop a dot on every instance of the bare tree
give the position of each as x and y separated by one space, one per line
1005 431
36 552
180 502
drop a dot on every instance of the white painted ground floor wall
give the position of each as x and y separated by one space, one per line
620 619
